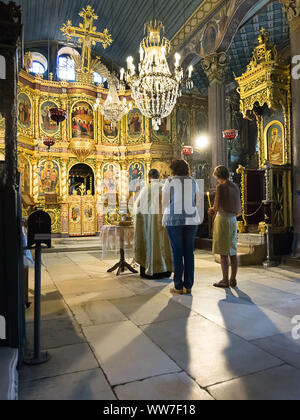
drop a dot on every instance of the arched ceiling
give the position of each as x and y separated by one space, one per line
269 15
125 20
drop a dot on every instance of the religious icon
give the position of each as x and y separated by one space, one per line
163 168
183 126
24 110
275 143
111 174
49 178
165 128
49 126
88 212
201 121
75 214
135 123
109 129
83 121
24 169
136 177
209 41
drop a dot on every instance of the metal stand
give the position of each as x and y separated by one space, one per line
270 262
37 357
122 265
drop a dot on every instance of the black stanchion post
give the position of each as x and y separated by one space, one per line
39 231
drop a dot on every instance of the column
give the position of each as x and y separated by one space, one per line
64 180
35 179
215 66
292 9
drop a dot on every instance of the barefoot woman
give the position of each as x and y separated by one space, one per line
226 208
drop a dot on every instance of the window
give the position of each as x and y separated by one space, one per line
66 68
66 65
37 68
98 79
39 63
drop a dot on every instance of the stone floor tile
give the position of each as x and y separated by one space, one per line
282 346
69 359
173 387
89 385
237 315
151 308
97 312
55 333
126 354
209 353
279 384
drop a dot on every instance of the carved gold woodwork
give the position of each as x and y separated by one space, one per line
265 95
88 36
149 148
267 82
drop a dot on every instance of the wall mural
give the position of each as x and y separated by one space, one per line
83 121
183 126
134 123
136 177
48 126
24 110
109 130
49 175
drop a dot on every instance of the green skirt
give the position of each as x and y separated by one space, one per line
225 235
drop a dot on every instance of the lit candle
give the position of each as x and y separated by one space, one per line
190 71
209 201
129 62
122 71
177 59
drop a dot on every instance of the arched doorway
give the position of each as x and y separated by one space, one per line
81 179
82 203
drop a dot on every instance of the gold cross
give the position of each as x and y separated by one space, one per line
87 35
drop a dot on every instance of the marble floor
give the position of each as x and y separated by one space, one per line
128 339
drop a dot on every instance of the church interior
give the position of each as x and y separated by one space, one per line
93 96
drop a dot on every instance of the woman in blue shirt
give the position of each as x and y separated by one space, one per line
183 213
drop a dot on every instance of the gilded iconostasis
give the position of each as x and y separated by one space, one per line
72 183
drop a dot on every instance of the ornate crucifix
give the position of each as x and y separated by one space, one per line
87 35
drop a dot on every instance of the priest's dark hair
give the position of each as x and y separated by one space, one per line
180 167
154 174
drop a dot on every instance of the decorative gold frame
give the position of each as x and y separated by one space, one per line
266 145
58 133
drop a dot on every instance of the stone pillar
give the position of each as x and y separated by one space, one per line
292 8
215 66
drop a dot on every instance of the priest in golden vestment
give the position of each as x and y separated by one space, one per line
152 246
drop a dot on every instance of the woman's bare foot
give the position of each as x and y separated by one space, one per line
224 284
233 283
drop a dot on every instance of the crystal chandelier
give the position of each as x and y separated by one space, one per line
113 109
156 89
